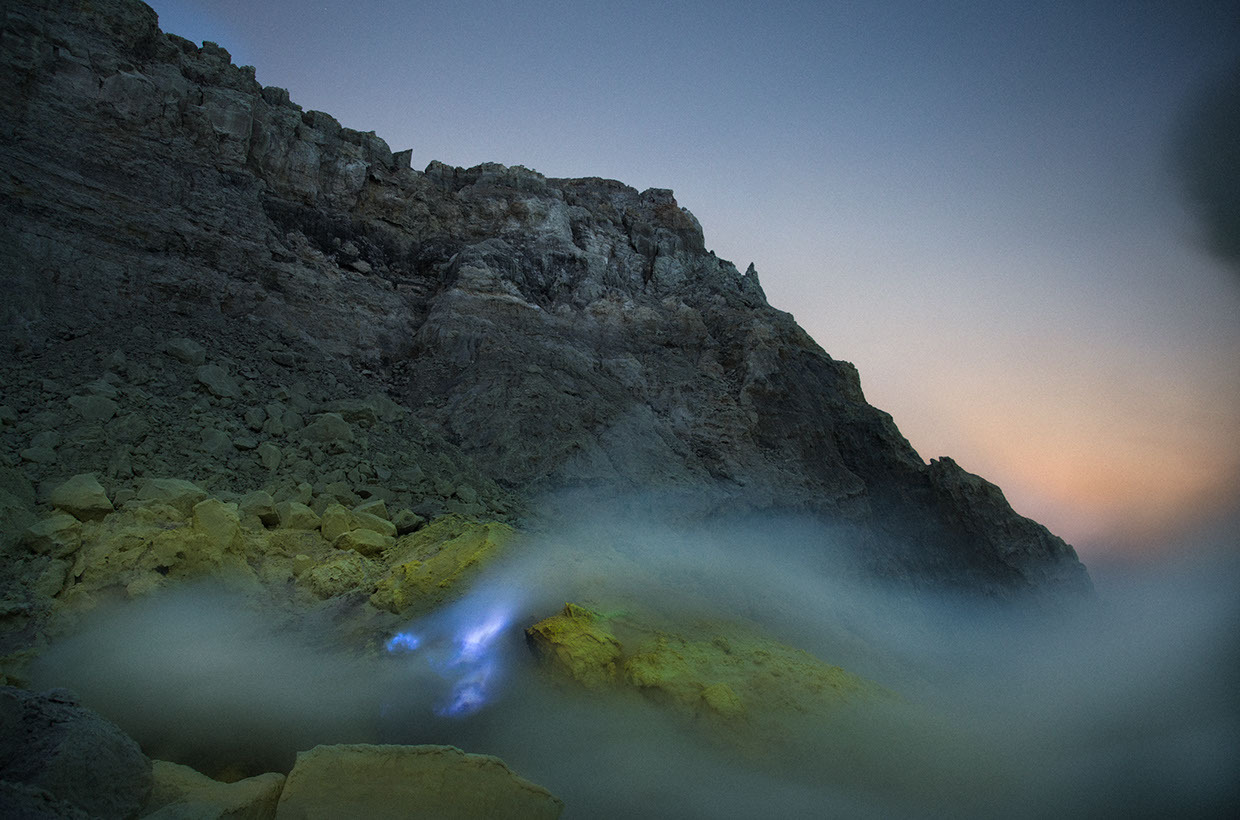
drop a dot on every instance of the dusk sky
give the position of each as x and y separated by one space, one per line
974 202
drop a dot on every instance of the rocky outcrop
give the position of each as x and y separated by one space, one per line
541 333
172 531
58 758
409 781
723 675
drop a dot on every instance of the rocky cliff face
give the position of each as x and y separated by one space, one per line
544 333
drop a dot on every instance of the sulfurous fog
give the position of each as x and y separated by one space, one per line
1125 705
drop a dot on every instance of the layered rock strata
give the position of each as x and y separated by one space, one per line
551 333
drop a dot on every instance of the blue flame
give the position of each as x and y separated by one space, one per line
466 654
403 642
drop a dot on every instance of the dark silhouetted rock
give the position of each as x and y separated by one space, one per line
50 743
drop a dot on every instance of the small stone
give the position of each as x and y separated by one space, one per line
187 351
327 427
302 562
116 361
365 520
467 494
7 415
216 443
130 427
303 493
336 522
254 418
102 387
217 381
173 492
82 497
38 455
260 505
48 438
220 523
59 535
93 408
364 542
374 506
296 516
407 521
269 455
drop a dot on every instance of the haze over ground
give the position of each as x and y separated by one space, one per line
975 203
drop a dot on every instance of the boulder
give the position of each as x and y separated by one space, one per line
428 564
407 521
327 427
260 505
173 492
576 644
374 506
335 522
219 524
38 455
186 351
718 671
268 455
217 381
380 782
93 407
82 497
51 743
364 542
296 516
181 793
58 536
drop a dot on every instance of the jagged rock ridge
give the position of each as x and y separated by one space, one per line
560 333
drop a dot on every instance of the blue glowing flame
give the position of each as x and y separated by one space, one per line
403 642
468 657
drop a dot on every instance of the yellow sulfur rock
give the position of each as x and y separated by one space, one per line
59 535
220 525
724 673
427 564
723 700
366 542
341 573
179 791
576 643
338 520
296 516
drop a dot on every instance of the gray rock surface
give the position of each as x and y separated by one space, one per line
50 743
513 334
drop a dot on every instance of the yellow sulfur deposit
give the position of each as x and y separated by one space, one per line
428 562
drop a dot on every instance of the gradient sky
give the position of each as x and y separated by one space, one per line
971 201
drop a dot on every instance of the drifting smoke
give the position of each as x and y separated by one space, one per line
1123 705
1207 157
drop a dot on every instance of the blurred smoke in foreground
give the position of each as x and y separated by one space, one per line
1207 158
1125 705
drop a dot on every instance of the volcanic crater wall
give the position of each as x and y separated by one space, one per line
557 333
